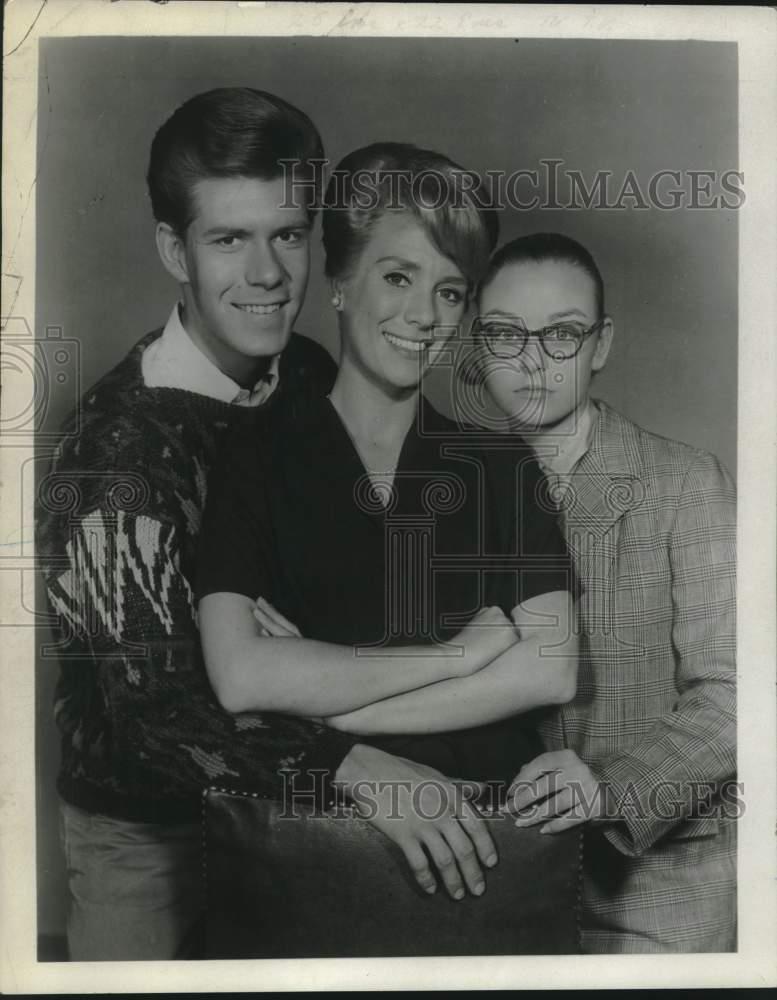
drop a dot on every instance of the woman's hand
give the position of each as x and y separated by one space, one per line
487 635
272 622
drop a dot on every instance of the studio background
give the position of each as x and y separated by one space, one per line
490 104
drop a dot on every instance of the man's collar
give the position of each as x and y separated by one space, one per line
174 361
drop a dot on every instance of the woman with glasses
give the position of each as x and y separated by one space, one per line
645 754
366 525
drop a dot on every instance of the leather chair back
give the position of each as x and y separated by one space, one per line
331 885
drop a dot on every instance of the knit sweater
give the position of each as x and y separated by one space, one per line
117 523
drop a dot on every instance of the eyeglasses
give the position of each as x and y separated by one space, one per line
508 339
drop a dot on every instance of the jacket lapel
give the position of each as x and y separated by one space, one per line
607 483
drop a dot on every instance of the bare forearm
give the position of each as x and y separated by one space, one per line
287 673
525 677
541 669
307 677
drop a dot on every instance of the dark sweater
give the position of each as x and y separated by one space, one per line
117 527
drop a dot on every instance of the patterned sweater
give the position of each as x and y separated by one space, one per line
117 524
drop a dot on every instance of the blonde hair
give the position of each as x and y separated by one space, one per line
392 176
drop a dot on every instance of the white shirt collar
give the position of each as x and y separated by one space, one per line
173 361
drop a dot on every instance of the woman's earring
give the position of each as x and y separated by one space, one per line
337 300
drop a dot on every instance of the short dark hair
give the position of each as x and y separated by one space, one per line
536 247
394 176
539 247
227 132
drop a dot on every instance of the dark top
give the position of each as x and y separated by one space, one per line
292 517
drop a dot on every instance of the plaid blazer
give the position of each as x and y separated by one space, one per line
651 525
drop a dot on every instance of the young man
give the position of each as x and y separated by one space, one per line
646 750
141 732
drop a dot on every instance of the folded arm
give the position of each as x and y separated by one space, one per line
254 672
541 669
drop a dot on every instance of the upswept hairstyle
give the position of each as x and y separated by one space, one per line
391 176
538 247
227 132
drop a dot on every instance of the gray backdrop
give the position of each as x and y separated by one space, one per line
670 276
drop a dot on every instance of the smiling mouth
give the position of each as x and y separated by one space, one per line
257 310
413 346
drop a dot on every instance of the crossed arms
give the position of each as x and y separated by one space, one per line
496 666
502 666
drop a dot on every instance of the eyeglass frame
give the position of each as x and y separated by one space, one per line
539 335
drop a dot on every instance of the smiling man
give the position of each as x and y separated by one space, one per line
242 263
141 731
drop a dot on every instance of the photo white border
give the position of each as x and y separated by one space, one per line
755 31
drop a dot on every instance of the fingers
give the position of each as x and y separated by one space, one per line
493 613
466 857
490 617
419 865
458 843
556 789
273 621
555 806
556 762
540 765
531 791
276 616
263 630
267 627
433 822
477 831
445 861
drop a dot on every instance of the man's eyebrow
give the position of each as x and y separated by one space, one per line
572 311
243 233
225 231
411 265
501 312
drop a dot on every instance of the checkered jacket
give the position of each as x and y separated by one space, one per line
651 525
